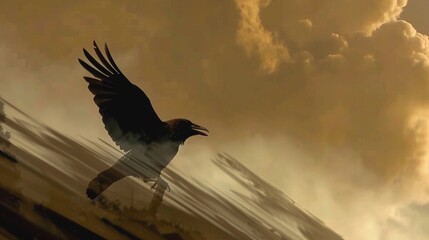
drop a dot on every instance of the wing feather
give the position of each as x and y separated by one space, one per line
112 62
96 64
102 58
92 70
126 111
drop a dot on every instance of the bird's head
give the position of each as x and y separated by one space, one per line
182 129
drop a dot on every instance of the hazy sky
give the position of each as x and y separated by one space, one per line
326 99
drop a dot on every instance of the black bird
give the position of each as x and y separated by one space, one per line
132 123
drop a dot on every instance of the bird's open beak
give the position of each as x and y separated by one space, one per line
197 130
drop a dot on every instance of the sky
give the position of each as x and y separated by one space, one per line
325 99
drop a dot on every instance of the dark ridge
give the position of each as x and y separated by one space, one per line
172 236
120 229
7 156
70 229
8 199
15 224
153 228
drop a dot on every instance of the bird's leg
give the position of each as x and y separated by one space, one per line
158 181
160 186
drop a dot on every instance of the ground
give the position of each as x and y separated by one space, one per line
42 195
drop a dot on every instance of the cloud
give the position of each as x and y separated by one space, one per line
360 87
256 39
360 92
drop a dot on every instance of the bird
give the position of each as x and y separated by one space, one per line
149 144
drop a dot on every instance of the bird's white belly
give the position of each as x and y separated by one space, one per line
157 155
163 153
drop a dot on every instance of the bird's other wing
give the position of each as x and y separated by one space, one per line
126 111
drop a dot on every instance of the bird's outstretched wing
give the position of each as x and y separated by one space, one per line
127 113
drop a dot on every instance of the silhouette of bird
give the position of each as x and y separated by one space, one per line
132 123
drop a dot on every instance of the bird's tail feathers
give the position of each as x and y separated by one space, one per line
102 181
